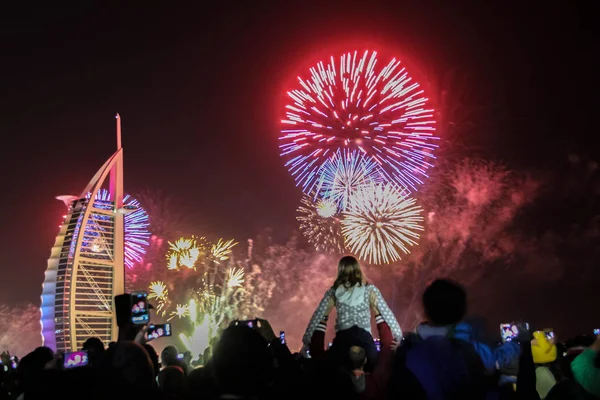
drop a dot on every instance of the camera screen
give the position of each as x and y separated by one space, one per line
508 332
139 308
156 331
76 359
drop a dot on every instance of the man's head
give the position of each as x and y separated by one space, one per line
168 356
171 380
94 348
357 358
242 362
444 302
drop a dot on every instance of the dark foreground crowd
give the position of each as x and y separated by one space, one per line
443 359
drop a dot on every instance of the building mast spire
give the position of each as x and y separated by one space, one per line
118 117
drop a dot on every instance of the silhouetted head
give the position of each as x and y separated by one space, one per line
134 364
29 370
153 357
349 273
444 302
242 362
172 381
94 348
168 356
357 358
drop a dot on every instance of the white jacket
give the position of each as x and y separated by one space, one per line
353 308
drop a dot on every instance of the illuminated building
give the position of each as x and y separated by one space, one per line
86 265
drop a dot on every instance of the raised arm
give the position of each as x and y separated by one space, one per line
322 311
380 306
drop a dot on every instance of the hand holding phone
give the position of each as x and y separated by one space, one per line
282 337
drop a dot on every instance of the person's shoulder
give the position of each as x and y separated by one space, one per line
371 288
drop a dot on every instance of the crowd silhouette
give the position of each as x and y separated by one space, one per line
446 357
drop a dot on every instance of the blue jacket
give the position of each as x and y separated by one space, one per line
443 366
501 355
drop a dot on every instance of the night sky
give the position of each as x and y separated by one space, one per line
201 91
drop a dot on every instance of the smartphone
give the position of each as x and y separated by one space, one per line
597 332
180 356
329 345
282 337
549 334
75 359
139 308
508 332
160 330
377 344
249 323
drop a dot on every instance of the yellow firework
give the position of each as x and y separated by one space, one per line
379 222
158 290
221 250
183 253
235 277
181 310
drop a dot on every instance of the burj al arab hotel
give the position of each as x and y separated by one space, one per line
85 269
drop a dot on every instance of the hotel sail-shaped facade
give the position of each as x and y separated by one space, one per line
86 265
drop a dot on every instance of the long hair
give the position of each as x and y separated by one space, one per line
349 273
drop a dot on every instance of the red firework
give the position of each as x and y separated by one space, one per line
354 104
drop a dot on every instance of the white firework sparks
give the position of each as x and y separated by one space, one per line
380 222
344 173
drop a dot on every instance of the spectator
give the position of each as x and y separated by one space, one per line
586 369
544 354
430 364
169 358
498 358
95 349
153 357
243 363
172 382
354 299
29 370
367 385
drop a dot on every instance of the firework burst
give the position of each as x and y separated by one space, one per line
183 253
136 226
235 277
324 233
355 104
343 174
380 222
221 250
159 291
181 311
326 208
